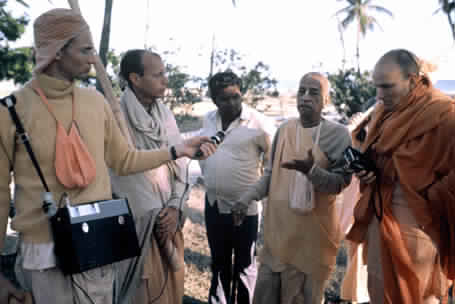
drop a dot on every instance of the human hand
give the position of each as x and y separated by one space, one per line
167 224
9 292
366 177
28 299
303 166
191 146
239 212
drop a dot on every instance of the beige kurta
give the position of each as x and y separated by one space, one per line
307 242
148 193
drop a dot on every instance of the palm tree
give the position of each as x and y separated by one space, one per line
448 8
212 52
105 35
105 83
343 46
359 11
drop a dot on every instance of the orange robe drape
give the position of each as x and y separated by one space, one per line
412 145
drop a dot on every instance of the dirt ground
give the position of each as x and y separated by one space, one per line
197 254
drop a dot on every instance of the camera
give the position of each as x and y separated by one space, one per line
357 161
216 139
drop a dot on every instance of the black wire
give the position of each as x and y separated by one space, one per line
187 186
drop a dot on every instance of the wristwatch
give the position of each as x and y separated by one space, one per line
173 153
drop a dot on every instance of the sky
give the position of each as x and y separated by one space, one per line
291 36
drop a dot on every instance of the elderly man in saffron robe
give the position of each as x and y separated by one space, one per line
302 180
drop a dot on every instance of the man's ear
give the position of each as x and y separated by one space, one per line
413 81
135 78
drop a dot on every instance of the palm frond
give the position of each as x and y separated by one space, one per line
380 9
345 10
348 20
372 23
23 3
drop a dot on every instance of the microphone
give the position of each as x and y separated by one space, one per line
216 139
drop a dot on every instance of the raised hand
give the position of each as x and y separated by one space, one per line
190 146
239 212
167 223
366 177
303 166
10 293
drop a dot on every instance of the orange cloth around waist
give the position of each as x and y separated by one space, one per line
412 145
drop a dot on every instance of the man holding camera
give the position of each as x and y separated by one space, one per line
302 181
227 174
50 105
405 213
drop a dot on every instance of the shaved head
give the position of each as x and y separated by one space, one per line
323 83
394 77
312 96
406 60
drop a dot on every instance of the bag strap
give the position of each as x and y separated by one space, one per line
40 92
10 102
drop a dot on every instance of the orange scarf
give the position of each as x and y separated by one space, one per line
74 165
410 147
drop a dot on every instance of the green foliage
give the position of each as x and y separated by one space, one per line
352 92
112 69
178 94
360 12
15 63
257 81
186 89
448 8
178 86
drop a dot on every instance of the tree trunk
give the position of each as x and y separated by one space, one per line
212 57
103 79
105 35
340 31
147 26
452 25
358 50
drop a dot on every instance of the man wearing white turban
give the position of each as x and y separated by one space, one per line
51 105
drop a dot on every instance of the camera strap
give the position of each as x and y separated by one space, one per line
10 102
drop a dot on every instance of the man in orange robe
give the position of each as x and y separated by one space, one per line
405 213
